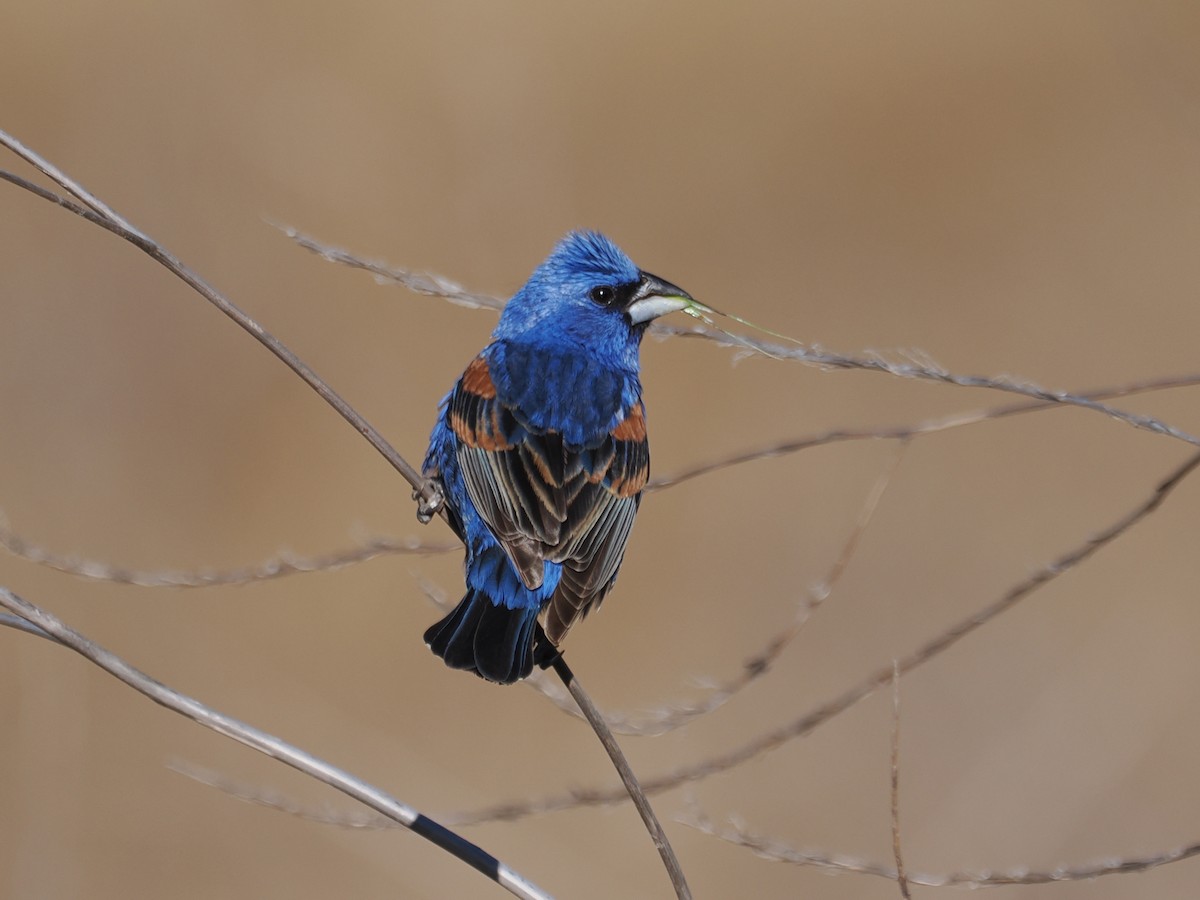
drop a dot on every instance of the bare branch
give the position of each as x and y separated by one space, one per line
277 567
628 778
779 851
67 183
272 746
19 624
881 677
584 708
901 877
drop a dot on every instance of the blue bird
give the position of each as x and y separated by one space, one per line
542 454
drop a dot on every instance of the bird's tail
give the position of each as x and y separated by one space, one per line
491 640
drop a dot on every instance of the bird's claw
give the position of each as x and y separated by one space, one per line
430 499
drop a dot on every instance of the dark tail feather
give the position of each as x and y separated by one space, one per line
492 641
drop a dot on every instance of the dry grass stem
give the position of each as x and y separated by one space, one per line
912 431
775 850
901 876
278 566
628 779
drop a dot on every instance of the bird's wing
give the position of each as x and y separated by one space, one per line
490 459
543 501
593 555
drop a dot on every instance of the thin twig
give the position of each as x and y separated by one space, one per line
881 677
417 282
273 747
278 801
901 877
277 567
917 366
905 432
67 183
7 620
628 778
779 851
927 370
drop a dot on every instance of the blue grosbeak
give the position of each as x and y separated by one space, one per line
541 450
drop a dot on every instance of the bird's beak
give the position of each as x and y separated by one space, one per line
656 297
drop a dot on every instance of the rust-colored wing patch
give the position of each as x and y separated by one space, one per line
477 379
474 412
633 426
629 468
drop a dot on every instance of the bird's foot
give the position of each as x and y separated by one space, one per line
430 499
545 653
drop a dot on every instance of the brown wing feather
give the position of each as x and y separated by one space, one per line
588 576
593 556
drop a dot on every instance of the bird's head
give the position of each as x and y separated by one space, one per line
589 293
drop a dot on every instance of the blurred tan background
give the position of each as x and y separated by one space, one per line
1011 187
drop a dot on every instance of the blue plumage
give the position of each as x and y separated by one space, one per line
541 449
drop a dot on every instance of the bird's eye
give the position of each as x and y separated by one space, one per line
604 295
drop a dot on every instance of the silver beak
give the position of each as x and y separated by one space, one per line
656 297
